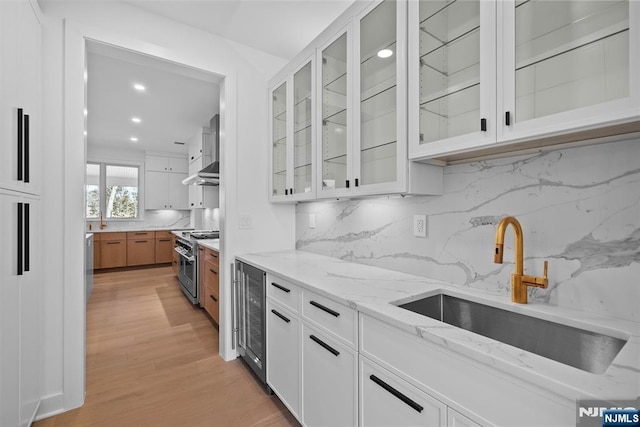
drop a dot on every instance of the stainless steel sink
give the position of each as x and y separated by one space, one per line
582 349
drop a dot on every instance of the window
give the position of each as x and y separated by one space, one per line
113 190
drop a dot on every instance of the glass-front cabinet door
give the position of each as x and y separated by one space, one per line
568 64
292 136
452 83
279 127
334 70
303 136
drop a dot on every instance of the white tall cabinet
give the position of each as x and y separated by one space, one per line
163 182
20 284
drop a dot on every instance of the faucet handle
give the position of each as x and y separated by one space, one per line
546 268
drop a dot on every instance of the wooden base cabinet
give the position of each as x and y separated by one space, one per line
113 250
164 247
210 282
141 248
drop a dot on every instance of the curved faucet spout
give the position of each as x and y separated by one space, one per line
517 229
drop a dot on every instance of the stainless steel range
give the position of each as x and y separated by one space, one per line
188 265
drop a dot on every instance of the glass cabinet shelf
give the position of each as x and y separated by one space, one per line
569 55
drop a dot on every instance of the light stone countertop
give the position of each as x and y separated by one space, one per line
210 243
110 229
374 291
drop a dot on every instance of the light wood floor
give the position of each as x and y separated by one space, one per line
152 360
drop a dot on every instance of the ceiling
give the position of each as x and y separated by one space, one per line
177 100
280 27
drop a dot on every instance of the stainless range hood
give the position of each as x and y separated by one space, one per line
210 174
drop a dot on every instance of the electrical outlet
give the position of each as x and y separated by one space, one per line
420 225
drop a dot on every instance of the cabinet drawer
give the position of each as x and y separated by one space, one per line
165 234
387 400
211 303
212 256
140 234
284 292
454 379
113 236
212 277
335 317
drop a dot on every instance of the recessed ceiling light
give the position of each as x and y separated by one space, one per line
385 53
135 119
133 139
85 112
85 133
139 87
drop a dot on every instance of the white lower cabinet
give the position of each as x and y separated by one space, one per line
387 400
283 356
329 380
456 419
20 286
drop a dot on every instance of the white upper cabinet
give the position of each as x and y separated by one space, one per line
567 65
20 94
292 176
451 68
363 108
487 77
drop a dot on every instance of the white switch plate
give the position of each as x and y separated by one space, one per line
312 220
245 222
420 225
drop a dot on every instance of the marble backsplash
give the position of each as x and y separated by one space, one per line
160 219
579 209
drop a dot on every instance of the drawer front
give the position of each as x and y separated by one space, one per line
454 379
212 277
164 234
387 400
284 292
140 235
141 251
211 304
212 256
335 317
113 236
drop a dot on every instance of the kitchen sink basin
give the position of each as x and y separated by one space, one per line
582 349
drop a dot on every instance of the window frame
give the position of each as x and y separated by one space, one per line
102 188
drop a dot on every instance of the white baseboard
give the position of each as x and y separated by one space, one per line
49 406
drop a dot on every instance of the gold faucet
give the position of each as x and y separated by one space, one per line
102 223
519 281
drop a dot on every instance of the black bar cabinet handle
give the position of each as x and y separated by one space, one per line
141 241
213 271
281 316
347 183
20 145
113 243
396 393
291 191
507 118
26 148
282 288
357 182
213 298
483 125
26 236
323 308
20 234
325 345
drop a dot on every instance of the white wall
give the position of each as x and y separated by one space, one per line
244 146
579 209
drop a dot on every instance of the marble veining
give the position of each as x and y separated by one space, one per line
579 209
376 292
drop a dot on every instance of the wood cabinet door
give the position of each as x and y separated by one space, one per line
113 253
140 251
164 250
